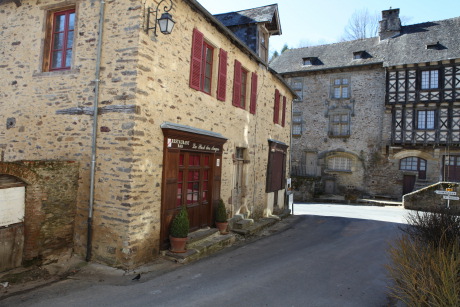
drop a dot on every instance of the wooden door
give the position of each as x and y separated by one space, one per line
451 171
408 183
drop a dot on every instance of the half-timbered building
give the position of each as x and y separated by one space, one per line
377 117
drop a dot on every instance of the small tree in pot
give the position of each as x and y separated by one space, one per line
221 217
179 231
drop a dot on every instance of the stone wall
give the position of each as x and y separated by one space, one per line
427 200
143 83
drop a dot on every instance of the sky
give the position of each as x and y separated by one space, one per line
308 22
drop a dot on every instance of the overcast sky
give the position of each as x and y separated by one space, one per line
321 22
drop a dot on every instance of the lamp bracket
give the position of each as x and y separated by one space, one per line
150 10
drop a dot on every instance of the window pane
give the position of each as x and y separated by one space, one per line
344 81
58 41
57 59
296 129
434 79
59 23
72 21
68 58
337 81
345 92
425 79
337 92
70 39
430 120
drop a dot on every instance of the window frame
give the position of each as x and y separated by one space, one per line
340 123
337 162
340 85
297 123
429 79
297 86
204 71
426 119
50 33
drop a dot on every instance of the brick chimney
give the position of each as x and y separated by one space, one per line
390 25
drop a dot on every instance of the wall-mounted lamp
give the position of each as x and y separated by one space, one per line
165 22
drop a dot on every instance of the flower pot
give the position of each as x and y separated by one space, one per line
178 244
222 227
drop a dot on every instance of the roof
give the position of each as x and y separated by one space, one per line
409 47
264 14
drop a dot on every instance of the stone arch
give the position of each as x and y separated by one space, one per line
33 215
412 153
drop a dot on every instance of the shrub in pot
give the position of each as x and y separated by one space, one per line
178 231
221 217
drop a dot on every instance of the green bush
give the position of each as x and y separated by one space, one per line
180 224
221 213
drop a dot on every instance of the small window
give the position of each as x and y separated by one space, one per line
430 79
358 55
338 163
208 57
202 66
297 86
309 61
339 124
340 88
297 123
433 46
59 41
425 119
240 85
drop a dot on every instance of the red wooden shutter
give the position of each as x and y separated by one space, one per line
222 78
283 118
276 114
253 105
237 84
195 63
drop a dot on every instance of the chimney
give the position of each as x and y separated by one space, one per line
390 25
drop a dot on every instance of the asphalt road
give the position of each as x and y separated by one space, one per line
315 261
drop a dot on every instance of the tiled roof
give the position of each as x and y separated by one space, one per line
409 47
265 14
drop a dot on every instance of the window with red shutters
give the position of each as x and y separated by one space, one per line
253 103
222 78
283 118
60 28
237 84
206 77
276 114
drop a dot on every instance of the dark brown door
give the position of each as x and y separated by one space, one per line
451 171
408 183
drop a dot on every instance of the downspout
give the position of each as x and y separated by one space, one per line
94 133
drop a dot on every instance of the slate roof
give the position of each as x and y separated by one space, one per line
265 14
409 47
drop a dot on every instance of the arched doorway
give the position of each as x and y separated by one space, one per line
417 170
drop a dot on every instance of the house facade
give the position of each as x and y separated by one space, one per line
376 117
152 122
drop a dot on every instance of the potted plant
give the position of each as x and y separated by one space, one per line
179 231
221 218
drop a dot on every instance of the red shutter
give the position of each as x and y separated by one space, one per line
253 105
283 118
237 84
222 78
276 114
195 63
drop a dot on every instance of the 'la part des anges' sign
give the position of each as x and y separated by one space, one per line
191 145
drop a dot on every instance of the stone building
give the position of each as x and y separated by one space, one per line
377 117
109 126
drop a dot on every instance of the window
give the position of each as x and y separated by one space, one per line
425 119
358 55
297 86
202 66
340 88
240 85
253 105
59 40
263 51
338 163
339 124
430 79
309 61
283 114
297 123
414 164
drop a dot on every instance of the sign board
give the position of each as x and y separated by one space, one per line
12 206
441 192
451 197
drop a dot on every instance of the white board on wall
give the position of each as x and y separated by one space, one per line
12 205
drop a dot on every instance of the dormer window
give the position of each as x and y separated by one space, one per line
358 55
433 46
309 61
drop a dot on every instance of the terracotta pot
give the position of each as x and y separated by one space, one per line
178 244
222 227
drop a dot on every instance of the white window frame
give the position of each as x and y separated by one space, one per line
426 119
430 79
340 87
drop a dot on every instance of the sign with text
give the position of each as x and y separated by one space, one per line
441 192
12 206
190 145
451 197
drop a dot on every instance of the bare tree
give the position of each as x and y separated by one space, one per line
361 24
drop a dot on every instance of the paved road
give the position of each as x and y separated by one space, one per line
316 261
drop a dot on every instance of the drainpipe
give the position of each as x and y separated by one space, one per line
94 134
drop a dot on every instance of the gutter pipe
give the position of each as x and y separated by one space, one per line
94 133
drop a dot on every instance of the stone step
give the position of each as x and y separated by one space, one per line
201 243
257 227
243 224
